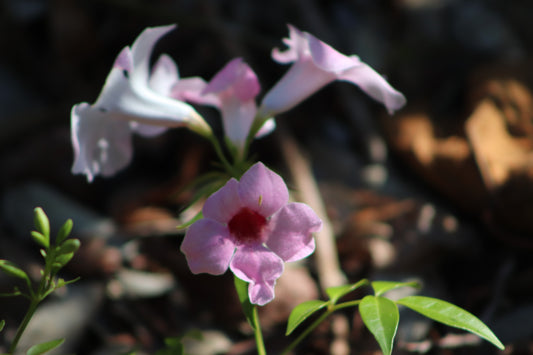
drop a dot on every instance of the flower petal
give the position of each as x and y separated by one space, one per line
102 145
291 229
375 86
141 51
223 204
208 247
261 268
141 104
238 77
124 60
146 130
302 80
263 190
191 89
327 58
316 64
297 46
164 75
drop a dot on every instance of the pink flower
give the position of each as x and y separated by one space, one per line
316 64
131 100
250 227
232 90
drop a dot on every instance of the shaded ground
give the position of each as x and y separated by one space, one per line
439 193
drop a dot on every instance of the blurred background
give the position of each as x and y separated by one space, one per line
440 192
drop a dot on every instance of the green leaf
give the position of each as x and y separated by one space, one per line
335 293
303 311
381 317
2 324
42 224
242 291
69 246
62 260
380 287
451 315
12 270
173 346
44 347
40 239
64 231
187 224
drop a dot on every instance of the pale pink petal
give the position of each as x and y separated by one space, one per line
208 247
191 90
261 268
223 204
164 75
296 47
290 231
302 80
237 77
327 58
262 190
375 86
124 60
101 145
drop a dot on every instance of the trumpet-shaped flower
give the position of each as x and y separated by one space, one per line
250 227
317 64
232 90
132 100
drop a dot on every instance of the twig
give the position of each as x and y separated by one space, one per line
326 255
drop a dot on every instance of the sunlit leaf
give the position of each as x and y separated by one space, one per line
242 291
64 231
12 270
451 315
44 347
380 287
69 246
381 317
303 311
335 293
62 260
42 224
40 239
2 324
187 224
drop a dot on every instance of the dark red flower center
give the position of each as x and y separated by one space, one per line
247 225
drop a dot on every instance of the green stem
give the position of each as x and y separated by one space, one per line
22 327
218 150
36 297
345 305
330 310
260 344
306 332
